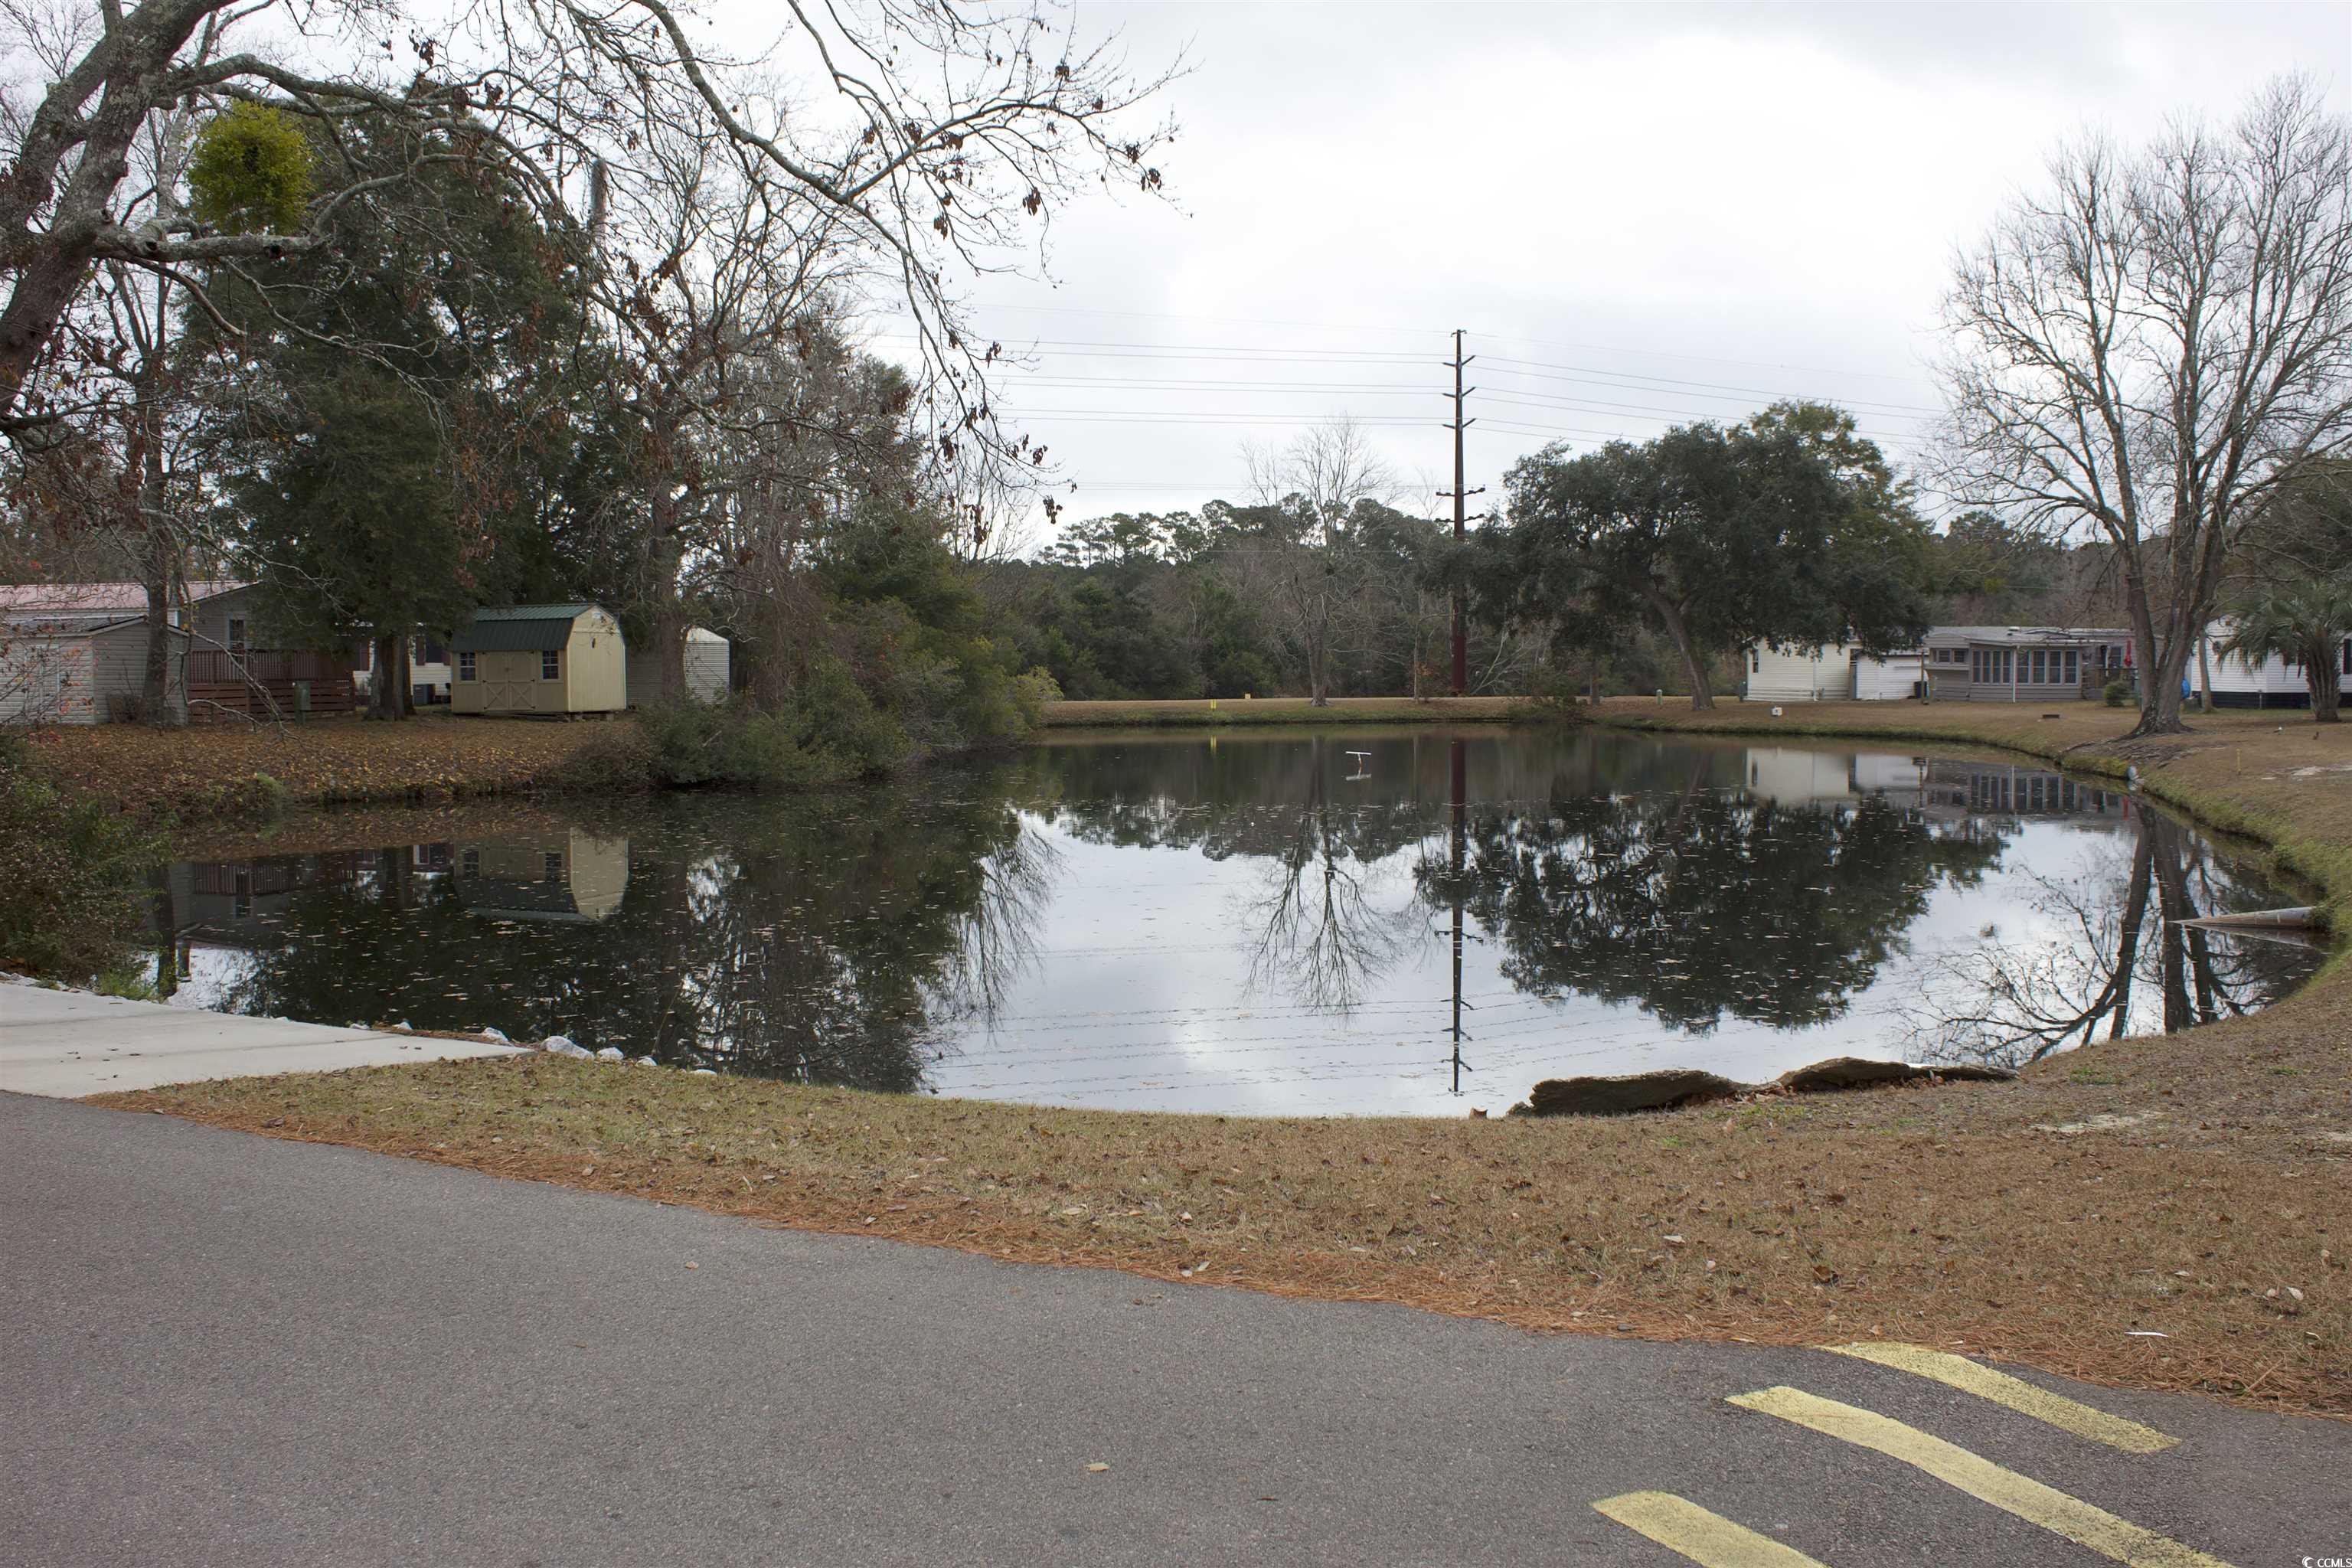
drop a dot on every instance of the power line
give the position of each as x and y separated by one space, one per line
1499 338
1704 359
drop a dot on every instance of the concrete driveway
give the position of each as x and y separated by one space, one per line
224 1348
72 1043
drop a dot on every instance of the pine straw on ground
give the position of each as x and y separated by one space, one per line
215 771
2210 1204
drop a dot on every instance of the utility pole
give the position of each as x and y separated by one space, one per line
1461 644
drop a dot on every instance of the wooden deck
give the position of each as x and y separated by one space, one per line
223 687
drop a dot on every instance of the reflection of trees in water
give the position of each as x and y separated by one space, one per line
1315 929
2119 962
842 939
825 942
1707 902
1318 933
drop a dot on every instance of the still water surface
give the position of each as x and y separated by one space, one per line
1266 922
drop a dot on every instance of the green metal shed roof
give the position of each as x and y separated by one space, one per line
519 628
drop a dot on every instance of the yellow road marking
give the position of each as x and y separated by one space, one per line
1978 1476
2015 1393
1707 1538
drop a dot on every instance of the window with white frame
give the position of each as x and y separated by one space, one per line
550 664
466 667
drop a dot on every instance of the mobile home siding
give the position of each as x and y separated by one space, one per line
1798 674
46 680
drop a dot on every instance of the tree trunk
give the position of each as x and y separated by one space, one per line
2204 674
388 691
156 680
157 556
2159 703
2327 695
668 612
1670 619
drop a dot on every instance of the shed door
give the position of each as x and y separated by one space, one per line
509 682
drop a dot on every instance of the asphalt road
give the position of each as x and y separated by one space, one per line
219 1349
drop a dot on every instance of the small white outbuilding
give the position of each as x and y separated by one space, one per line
709 668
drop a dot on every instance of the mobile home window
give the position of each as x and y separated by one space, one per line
2074 666
548 665
465 667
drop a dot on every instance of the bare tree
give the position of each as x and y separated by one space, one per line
1300 564
2144 352
928 139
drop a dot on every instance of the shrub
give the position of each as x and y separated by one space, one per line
1552 693
2118 692
617 759
75 879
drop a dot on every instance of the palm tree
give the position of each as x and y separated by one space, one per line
2305 622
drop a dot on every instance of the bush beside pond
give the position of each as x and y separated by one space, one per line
74 878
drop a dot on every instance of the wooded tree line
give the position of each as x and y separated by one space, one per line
553 304
399 317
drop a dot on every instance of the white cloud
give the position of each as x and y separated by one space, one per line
1763 200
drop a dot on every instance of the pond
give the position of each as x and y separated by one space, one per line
1274 922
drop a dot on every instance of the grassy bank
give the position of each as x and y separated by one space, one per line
1209 712
2167 1212
211 773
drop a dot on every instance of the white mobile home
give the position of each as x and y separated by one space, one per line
2273 683
1831 673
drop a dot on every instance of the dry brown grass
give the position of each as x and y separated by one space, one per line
1948 1216
1207 712
214 771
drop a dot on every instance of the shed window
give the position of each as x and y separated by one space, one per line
550 664
466 667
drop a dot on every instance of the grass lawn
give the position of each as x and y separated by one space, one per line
2211 1205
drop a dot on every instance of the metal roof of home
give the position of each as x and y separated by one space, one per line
93 602
519 628
2009 635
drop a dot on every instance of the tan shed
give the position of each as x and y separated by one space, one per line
551 659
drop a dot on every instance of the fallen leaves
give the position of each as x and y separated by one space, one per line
219 773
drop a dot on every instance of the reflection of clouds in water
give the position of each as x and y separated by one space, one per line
1246 928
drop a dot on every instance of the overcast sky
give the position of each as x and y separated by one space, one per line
1641 216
